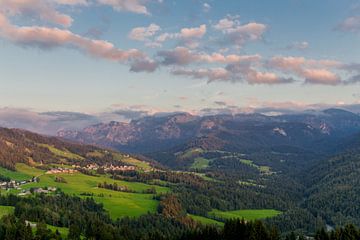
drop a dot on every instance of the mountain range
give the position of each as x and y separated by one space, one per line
241 133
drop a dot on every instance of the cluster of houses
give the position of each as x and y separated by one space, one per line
37 190
119 168
107 168
89 167
12 184
61 170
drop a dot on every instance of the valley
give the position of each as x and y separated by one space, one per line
207 179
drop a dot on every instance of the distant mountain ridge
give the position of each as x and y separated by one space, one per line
241 132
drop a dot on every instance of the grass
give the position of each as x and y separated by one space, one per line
95 154
63 231
132 161
248 214
62 153
206 221
29 171
200 163
5 210
250 184
14 175
206 178
191 152
249 163
119 204
262 169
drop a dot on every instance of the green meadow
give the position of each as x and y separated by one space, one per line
62 153
200 163
248 214
262 169
5 210
14 175
63 231
132 161
119 204
205 220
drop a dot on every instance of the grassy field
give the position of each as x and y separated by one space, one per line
250 183
206 221
62 153
63 231
119 204
262 169
200 163
191 152
248 214
132 161
14 175
5 210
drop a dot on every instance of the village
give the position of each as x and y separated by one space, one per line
17 185
90 167
12 184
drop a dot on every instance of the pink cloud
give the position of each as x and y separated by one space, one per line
321 76
185 56
193 32
45 37
187 36
238 34
233 73
244 71
72 2
314 71
41 9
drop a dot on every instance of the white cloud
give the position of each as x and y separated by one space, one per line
299 45
135 6
206 7
187 36
143 33
238 34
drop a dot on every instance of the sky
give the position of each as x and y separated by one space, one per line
150 56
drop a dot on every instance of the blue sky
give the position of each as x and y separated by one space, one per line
102 55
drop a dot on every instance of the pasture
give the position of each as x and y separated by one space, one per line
119 204
246 214
205 220
5 210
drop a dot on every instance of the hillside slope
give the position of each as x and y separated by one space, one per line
19 146
334 188
162 137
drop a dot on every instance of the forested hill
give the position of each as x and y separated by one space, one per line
20 146
334 188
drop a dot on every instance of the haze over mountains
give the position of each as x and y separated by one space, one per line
51 122
240 132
